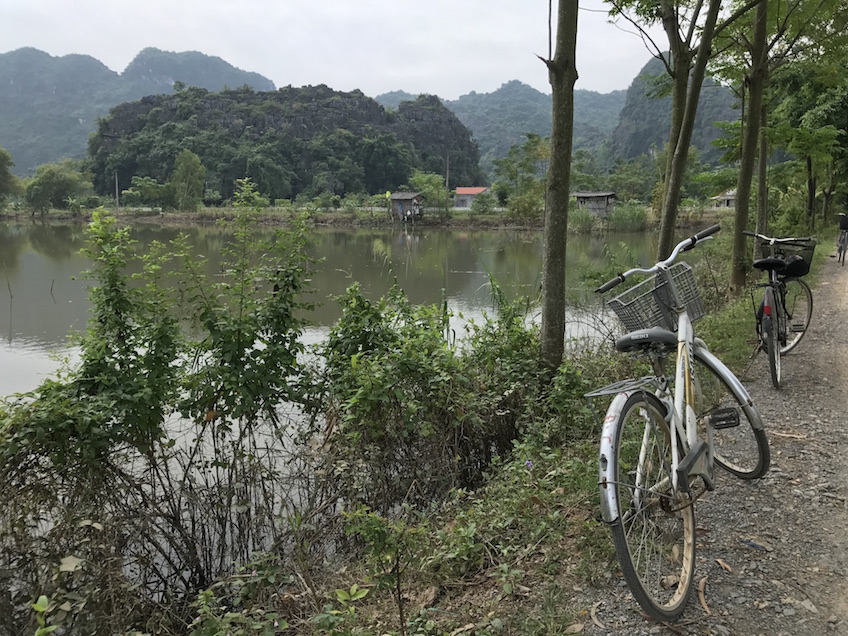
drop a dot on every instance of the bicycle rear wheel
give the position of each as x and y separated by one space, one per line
798 305
739 441
654 535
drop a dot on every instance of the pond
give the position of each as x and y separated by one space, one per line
43 299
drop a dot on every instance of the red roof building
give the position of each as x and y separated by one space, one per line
464 196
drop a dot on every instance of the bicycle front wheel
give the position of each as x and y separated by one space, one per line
739 442
798 305
654 535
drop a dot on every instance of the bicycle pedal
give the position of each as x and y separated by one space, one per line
724 418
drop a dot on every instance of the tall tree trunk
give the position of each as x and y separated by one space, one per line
827 197
811 195
681 62
755 79
674 180
562 73
762 179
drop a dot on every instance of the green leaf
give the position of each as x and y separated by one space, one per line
356 593
41 604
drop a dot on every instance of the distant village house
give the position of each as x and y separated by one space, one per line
406 206
726 199
465 196
598 203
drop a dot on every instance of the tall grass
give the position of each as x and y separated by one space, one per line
628 217
580 220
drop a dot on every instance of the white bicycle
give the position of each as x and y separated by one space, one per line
662 435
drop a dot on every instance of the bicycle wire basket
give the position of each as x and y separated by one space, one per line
803 248
648 304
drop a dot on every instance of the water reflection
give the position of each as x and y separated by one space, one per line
43 298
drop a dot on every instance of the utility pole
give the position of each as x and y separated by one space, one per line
117 203
447 182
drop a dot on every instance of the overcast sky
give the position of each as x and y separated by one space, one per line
443 47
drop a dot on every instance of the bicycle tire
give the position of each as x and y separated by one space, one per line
654 536
741 450
771 334
772 340
798 306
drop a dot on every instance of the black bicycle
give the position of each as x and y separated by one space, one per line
842 242
783 315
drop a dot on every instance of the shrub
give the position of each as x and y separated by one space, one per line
137 505
483 203
405 416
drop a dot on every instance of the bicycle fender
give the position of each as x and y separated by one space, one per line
733 382
606 465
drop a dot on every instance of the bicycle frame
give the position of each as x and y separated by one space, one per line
682 420
698 454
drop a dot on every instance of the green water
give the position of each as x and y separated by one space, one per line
42 298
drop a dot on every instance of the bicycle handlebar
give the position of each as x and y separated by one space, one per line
773 240
684 246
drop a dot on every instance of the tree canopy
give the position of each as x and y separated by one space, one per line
9 184
290 142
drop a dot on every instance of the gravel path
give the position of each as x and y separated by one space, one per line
784 538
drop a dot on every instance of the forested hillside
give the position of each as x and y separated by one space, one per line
50 105
645 119
291 141
504 117
616 125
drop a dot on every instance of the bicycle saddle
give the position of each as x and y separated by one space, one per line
769 263
642 338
